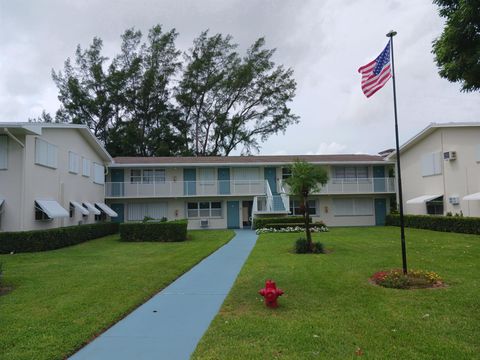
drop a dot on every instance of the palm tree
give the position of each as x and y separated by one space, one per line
305 180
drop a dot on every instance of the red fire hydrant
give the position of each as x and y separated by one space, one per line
270 293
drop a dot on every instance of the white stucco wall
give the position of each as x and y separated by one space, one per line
458 178
11 187
24 181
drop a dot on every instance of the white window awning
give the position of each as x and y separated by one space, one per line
423 199
79 207
52 208
475 196
91 208
106 209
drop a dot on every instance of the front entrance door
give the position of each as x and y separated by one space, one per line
271 177
233 215
119 209
379 183
118 179
224 181
380 211
247 213
190 182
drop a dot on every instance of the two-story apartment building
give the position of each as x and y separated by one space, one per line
51 175
226 192
441 170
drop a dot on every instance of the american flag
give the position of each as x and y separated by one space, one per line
376 73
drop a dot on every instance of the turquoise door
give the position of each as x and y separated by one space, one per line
233 215
380 211
118 179
271 176
379 184
223 181
119 209
190 182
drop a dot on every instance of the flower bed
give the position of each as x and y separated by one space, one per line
291 229
414 279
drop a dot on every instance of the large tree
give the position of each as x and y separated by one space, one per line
125 103
228 101
306 179
145 103
457 50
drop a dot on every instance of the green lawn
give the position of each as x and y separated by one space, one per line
65 297
329 309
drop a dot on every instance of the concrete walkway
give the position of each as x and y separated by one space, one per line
169 325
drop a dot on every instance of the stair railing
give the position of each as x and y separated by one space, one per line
268 191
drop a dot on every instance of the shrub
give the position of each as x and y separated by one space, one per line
43 240
301 247
458 224
1 273
412 280
154 231
260 222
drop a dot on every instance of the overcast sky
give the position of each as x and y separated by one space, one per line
323 41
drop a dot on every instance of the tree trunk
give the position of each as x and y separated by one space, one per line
306 218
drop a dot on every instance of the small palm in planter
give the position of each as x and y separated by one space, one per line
305 180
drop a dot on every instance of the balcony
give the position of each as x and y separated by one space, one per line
185 189
353 186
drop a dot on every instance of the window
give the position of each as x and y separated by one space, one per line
350 172
192 210
245 174
204 209
45 153
353 207
101 217
435 206
85 167
286 172
147 176
216 209
98 174
206 176
135 176
432 164
296 210
73 162
3 152
477 153
40 214
154 210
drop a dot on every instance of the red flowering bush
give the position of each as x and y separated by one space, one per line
414 279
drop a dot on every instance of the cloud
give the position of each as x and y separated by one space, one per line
324 41
329 148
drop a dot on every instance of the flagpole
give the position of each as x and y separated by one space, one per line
391 34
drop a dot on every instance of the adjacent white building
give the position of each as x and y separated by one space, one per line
441 170
227 192
51 175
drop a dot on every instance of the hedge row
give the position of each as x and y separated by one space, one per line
285 225
261 222
457 224
154 231
50 239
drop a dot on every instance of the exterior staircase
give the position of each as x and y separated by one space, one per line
278 203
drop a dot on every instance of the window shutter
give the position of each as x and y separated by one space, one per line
98 174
